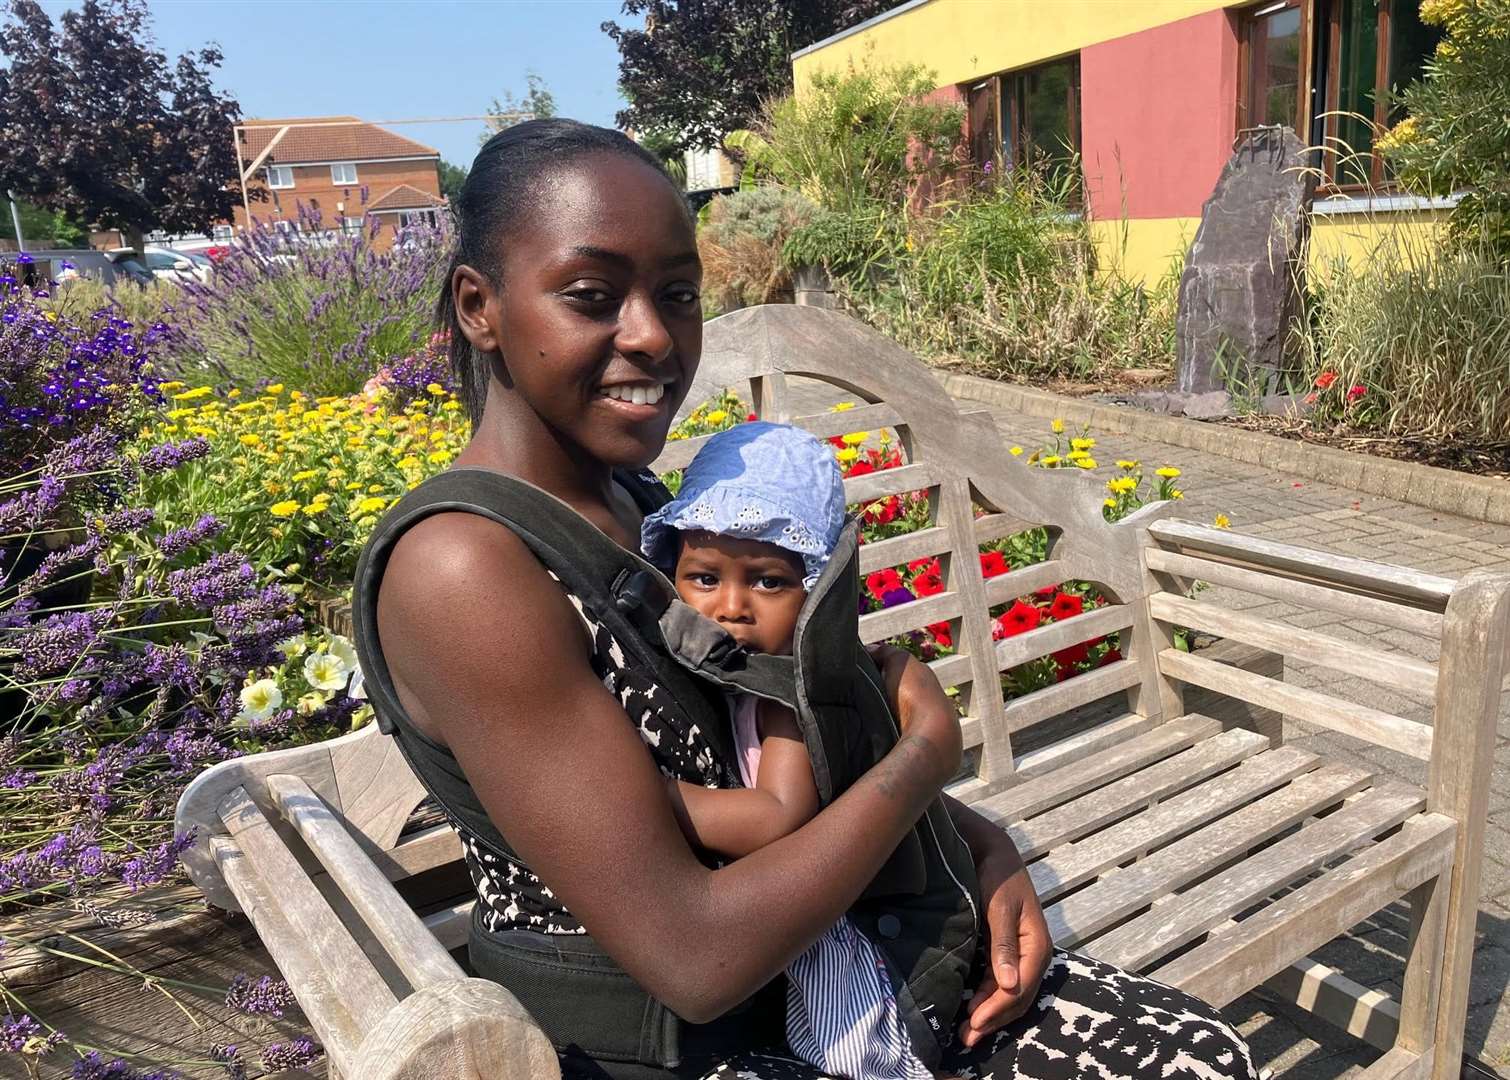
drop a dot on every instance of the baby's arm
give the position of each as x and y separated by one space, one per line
733 823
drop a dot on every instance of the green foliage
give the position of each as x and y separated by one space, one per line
536 104
1456 135
1415 341
42 228
452 177
850 139
667 149
741 245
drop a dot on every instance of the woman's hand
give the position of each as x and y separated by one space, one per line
1018 945
922 708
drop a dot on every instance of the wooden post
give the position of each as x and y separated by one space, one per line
1156 696
1466 716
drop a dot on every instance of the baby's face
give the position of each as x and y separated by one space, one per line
750 588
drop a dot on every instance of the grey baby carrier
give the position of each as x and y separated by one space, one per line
921 908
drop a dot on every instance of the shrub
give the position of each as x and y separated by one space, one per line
741 245
862 136
318 310
1415 341
1455 134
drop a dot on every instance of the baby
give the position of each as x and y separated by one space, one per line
760 510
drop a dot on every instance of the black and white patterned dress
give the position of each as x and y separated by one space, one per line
1089 1020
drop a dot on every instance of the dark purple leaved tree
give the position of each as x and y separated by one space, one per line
702 68
96 122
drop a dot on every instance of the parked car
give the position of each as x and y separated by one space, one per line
165 264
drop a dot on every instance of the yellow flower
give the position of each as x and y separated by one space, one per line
1109 502
295 395
438 457
843 406
245 406
408 462
1082 444
1122 485
717 416
1077 454
1168 472
855 438
172 384
436 389
1086 462
373 489
273 388
317 507
1222 521
1052 459
1016 451
234 392
194 394
303 475
1057 427
353 486
1128 465
284 509
272 486
450 406
179 414
370 505
849 453
1176 494
250 439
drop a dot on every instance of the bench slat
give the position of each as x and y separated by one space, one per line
890 622
1381 579
1350 718
1262 945
1074 864
1004 588
1061 635
1186 917
1295 591
878 485
1121 797
1361 1011
1060 698
1122 893
901 550
1046 759
1047 791
398 929
1400 670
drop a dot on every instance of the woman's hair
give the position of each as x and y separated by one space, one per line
501 190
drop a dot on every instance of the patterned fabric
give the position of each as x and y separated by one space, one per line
1089 1022
757 481
513 898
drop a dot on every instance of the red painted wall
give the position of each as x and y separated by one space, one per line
1158 115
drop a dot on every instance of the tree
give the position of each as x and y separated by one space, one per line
537 103
451 179
95 123
42 228
702 68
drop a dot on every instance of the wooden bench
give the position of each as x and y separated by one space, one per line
1213 857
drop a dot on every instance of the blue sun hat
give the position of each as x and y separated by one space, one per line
757 481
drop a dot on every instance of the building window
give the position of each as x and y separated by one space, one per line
351 225
221 232
1040 117
984 124
1330 68
417 217
280 176
343 174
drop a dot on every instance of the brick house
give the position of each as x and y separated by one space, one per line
343 168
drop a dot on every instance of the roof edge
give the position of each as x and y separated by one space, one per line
874 20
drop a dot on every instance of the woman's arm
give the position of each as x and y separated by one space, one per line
489 657
735 822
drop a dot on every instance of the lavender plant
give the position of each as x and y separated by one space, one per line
318 308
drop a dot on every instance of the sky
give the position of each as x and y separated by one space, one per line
400 59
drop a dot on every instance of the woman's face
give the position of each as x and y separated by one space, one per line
599 319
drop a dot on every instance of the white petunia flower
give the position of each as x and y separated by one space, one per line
325 672
259 700
343 650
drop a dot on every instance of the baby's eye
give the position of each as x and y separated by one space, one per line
683 294
773 584
706 581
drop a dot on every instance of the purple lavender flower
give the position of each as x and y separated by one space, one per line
178 541
294 1054
230 1057
153 866
266 996
169 456
22 1034
93 1067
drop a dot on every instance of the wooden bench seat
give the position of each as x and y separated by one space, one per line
1174 832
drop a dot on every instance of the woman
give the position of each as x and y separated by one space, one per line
576 328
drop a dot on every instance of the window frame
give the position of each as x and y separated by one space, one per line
1006 124
336 180
274 171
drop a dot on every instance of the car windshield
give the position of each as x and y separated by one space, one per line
161 260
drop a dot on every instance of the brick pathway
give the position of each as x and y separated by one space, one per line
1274 505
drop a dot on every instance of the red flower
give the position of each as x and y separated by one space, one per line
1075 654
993 564
1018 618
1356 392
1065 606
928 584
1325 379
860 468
1310 399
924 565
879 583
942 634
890 510
752 417
836 441
1047 591
1110 656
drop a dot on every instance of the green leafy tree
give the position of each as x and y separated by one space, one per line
702 68
97 124
42 228
451 179
1456 133
537 104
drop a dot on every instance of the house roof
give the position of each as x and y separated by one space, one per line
340 138
404 197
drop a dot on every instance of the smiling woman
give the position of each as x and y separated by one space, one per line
547 723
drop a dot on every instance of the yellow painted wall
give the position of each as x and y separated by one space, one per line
963 39
1144 250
